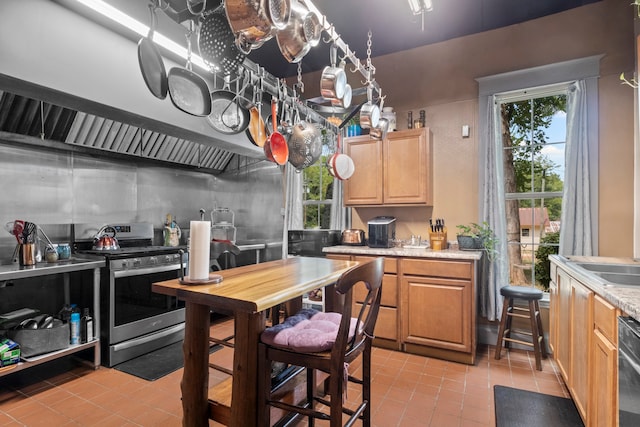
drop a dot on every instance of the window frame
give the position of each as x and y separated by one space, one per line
543 78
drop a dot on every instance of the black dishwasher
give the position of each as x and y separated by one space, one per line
629 371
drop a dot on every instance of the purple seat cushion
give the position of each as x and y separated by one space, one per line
309 331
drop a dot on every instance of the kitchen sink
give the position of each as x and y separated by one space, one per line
611 268
620 279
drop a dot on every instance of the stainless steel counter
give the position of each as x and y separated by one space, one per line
257 245
403 252
15 271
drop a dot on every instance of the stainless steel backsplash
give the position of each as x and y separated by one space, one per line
56 189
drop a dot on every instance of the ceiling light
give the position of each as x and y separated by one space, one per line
141 29
420 7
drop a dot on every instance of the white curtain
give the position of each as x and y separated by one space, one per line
338 212
292 194
575 237
495 274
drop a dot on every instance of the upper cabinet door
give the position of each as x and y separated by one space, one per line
408 167
396 171
365 185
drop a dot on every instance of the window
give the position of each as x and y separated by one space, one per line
533 148
317 187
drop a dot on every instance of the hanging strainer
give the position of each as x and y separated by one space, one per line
217 43
305 145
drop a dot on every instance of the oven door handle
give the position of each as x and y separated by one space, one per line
147 270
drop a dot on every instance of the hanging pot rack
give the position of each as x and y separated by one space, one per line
269 84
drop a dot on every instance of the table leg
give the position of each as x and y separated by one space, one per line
195 378
248 327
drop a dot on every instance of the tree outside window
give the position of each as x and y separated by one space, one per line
533 136
318 191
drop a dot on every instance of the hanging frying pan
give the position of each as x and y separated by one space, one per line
275 148
188 91
229 111
150 60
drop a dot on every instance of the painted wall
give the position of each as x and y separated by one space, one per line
440 79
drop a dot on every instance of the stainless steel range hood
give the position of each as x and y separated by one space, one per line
20 115
88 82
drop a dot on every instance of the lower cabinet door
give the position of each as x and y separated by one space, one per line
438 313
604 382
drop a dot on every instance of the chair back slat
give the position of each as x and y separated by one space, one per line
370 274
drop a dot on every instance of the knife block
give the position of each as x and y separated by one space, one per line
438 239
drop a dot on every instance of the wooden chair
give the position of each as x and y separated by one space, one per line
331 358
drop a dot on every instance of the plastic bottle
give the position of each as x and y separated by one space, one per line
86 327
75 327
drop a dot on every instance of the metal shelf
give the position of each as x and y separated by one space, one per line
30 362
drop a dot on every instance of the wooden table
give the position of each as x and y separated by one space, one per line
247 291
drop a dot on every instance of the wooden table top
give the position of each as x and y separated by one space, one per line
257 287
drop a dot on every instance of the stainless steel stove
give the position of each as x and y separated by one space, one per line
135 320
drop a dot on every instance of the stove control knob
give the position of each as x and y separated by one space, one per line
153 260
136 262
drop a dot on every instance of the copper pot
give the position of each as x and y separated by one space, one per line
301 34
253 21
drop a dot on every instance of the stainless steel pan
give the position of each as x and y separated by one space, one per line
150 60
188 91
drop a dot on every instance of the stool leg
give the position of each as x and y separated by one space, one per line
543 344
503 321
534 333
508 328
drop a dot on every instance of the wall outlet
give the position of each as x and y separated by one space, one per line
465 131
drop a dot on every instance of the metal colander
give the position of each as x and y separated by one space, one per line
217 43
305 145
279 12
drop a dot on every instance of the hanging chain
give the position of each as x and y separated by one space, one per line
300 83
370 68
369 48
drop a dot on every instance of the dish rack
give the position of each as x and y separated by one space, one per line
222 225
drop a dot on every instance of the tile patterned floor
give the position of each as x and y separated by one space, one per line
408 390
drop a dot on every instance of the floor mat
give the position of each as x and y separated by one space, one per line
158 363
521 408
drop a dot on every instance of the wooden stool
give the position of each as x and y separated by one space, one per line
532 295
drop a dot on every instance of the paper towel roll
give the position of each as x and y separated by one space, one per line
200 236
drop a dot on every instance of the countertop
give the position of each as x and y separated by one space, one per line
626 299
421 252
16 271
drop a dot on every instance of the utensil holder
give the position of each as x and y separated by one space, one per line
438 239
27 255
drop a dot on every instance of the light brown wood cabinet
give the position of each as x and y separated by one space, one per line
604 370
584 338
428 307
581 333
438 308
563 343
387 326
395 171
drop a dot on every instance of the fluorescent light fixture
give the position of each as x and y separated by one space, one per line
420 6
141 29
416 6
